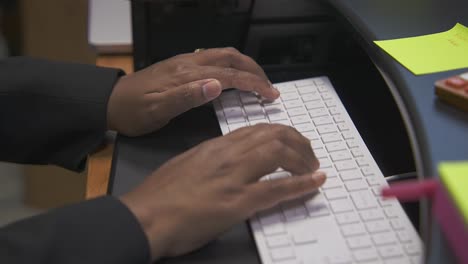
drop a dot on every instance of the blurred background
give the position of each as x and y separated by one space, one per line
52 29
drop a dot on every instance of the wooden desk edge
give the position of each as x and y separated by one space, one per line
99 163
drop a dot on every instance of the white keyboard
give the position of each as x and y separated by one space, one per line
346 221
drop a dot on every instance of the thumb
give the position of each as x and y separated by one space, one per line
182 98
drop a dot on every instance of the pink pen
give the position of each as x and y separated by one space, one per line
443 208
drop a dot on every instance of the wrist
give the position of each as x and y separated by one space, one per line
155 226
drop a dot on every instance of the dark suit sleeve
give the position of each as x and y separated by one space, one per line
97 231
55 113
51 112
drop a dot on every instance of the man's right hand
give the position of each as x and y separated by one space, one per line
201 193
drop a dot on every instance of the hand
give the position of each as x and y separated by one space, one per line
146 100
201 193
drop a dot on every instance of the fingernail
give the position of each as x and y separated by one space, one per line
275 91
319 177
211 89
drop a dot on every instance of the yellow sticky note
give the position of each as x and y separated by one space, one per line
454 175
430 53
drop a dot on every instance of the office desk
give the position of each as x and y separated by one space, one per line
99 163
437 131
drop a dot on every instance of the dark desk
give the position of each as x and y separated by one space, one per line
437 131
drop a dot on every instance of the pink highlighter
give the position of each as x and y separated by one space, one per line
449 197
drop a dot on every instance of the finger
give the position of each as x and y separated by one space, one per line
242 80
265 194
229 58
268 157
264 133
175 101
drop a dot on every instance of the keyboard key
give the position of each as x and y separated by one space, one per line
336 193
338 119
286 87
314 104
330 103
319 81
335 146
352 143
344 128
323 120
297 111
279 175
259 121
233 127
390 251
377 226
312 96
300 119
341 205
281 122
311 135
342 258
318 112
316 143
374 181
277 241
352 174
273 229
359 242
325 163
327 96
347 218
307 82
363 199
355 185
404 236
277 116
345 165
330 172
397 224
365 254
367 171
317 207
357 153
391 212
289 96
384 238
362 161
332 137
340 155
332 183
412 249
321 153
279 254
346 134
353 230
294 212
292 103
301 238
322 88
323 129
334 110
372 214
304 127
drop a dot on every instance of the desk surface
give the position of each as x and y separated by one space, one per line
437 131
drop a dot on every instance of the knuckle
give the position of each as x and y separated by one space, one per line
187 95
231 73
231 50
277 146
